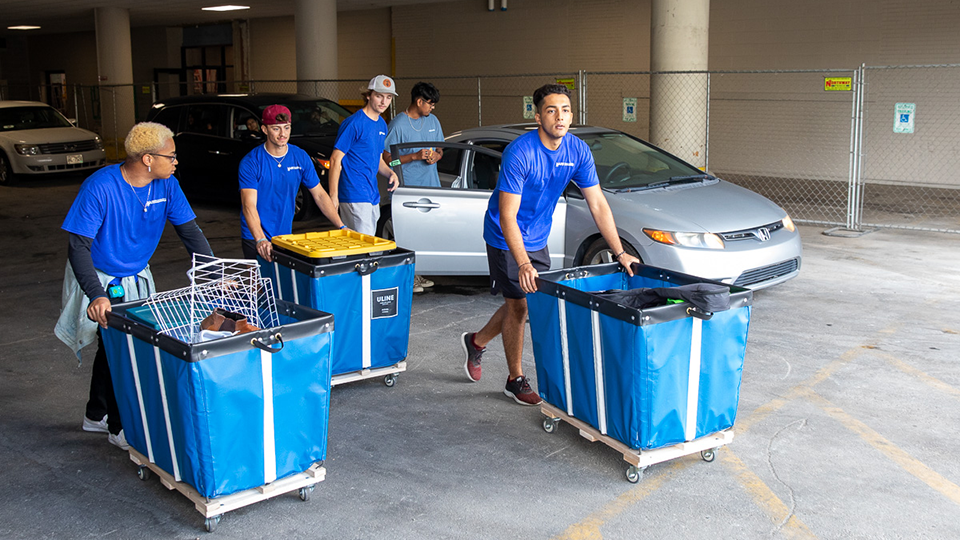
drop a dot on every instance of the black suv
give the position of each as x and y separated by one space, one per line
214 132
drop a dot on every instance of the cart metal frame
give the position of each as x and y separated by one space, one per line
389 374
214 509
639 460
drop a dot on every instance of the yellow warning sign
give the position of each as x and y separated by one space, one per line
569 83
838 84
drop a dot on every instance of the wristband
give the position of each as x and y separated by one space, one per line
617 257
394 163
342 227
262 240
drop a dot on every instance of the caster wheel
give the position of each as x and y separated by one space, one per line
390 380
550 424
634 474
305 493
210 524
708 455
143 473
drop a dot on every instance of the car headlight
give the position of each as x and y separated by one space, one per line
685 239
788 224
99 142
27 149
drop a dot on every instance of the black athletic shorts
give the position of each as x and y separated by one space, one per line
504 273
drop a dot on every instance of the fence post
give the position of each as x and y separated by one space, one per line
706 137
479 104
76 103
582 95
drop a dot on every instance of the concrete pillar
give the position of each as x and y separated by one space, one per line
315 22
679 41
114 67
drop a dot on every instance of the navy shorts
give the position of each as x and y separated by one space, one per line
505 274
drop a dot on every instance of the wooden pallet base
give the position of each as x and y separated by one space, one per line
389 371
220 505
640 458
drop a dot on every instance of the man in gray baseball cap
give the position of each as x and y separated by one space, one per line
357 158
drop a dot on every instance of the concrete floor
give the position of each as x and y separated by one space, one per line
846 428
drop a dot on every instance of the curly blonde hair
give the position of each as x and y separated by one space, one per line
146 138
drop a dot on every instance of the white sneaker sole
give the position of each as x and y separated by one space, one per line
463 345
94 427
518 400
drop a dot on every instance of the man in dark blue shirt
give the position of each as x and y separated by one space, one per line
537 167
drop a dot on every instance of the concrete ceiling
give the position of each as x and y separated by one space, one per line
60 16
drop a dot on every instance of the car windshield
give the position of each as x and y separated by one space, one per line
626 164
17 118
313 118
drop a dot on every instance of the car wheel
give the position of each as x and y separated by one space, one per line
600 253
303 204
385 223
6 172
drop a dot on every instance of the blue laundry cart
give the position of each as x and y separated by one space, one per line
654 383
226 422
369 292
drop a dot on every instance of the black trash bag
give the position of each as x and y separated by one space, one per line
706 297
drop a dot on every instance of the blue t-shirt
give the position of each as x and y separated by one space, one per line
539 176
276 187
404 129
125 222
361 141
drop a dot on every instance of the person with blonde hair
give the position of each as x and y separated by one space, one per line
114 227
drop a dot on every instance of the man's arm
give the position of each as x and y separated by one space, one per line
336 165
193 238
81 260
509 206
388 172
325 204
248 200
603 217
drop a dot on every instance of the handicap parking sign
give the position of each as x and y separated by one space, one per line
904 117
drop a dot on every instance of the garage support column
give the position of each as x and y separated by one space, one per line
679 41
315 22
115 73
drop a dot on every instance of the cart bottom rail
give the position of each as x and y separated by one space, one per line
388 373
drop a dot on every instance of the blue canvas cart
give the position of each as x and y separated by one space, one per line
227 422
654 383
370 293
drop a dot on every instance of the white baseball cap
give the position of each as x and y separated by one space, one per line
382 84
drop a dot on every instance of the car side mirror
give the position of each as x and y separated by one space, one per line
73 121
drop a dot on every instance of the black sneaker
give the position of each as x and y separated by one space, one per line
519 389
473 356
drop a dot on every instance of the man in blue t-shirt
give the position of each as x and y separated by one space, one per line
114 227
357 158
270 177
419 165
537 167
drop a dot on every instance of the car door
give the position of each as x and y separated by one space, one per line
444 225
204 153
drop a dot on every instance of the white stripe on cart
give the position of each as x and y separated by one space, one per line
693 381
166 414
269 441
365 301
598 372
143 410
565 354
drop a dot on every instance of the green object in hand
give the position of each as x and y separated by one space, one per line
394 163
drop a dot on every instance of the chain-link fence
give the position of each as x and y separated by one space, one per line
847 158
911 147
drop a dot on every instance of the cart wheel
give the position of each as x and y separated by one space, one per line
143 472
709 454
550 424
210 524
390 380
634 474
305 493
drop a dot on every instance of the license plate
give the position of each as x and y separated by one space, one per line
75 159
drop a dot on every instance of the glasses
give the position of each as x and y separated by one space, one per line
172 157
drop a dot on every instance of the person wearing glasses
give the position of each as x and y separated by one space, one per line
114 227
417 124
270 177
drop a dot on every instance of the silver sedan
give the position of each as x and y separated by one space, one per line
669 213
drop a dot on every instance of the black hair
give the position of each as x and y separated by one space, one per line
548 89
426 91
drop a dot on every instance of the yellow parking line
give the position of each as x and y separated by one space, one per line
589 527
764 498
910 464
910 370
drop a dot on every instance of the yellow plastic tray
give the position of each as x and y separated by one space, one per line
328 244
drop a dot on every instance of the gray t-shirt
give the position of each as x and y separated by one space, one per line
404 129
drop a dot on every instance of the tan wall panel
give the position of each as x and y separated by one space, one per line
273 46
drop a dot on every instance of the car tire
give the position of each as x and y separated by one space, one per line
600 253
303 204
6 171
385 223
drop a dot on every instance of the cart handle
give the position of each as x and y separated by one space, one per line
367 267
699 313
260 344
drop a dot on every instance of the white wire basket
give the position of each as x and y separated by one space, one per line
234 285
